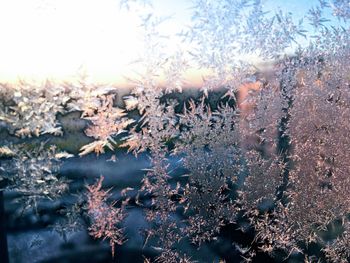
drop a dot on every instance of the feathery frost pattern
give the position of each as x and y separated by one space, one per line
270 157
104 217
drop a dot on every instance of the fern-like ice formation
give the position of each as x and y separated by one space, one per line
33 173
106 122
274 151
104 217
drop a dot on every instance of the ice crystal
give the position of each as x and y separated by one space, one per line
71 220
33 174
32 108
273 151
104 217
107 122
341 9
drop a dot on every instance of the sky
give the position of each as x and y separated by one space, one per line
59 38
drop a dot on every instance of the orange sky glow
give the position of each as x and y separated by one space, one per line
47 39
